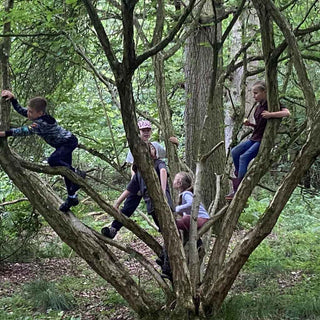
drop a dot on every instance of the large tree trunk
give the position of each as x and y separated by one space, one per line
222 270
198 71
204 107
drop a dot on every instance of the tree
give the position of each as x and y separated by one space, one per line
192 295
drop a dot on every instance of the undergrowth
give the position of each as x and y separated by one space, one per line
281 279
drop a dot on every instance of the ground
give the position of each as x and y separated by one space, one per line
95 298
18 274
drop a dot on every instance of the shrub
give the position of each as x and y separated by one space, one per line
45 295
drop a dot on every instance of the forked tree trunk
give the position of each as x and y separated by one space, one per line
222 270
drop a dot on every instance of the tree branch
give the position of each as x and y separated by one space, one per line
102 36
161 45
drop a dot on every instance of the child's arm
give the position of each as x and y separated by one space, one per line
122 197
163 179
8 95
22 131
284 112
186 207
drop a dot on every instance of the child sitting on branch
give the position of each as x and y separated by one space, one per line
244 152
183 183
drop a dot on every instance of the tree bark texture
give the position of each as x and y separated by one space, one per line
188 292
204 114
5 46
162 101
198 71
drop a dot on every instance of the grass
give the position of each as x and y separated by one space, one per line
280 281
45 295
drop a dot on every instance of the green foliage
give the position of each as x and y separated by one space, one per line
48 65
45 295
18 224
51 248
252 212
271 306
281 278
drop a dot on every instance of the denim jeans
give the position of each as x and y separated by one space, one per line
242 154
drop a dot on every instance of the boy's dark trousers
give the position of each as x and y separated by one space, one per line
62 156
129 207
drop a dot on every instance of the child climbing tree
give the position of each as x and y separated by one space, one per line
185 299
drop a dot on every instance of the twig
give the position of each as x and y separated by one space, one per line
13 202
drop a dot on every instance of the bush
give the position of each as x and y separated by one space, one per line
45 295
17 228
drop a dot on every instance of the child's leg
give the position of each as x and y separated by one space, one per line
201 222
129 207
183 223
246 157
238 150
155 219
165 267
62 156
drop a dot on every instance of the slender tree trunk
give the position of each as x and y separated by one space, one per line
5 46
162 101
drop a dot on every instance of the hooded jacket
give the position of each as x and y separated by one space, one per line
45 126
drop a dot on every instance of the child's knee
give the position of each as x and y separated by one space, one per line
53 162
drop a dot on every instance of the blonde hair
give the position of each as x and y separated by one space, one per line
186 180
260 85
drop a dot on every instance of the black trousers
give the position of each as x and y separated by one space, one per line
62 156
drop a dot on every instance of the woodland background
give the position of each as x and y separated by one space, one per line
188 68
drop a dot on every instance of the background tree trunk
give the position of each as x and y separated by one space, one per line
204 106
187 294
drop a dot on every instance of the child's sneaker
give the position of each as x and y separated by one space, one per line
109 232
70 202
81 173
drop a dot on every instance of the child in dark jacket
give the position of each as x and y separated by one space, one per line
138 186
47 128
